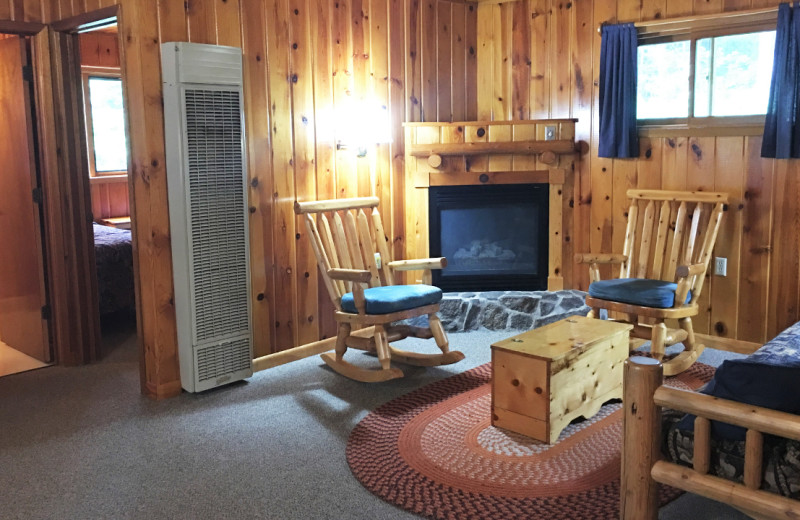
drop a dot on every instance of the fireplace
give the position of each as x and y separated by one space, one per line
495 237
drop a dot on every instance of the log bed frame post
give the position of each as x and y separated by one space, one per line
641 426
642 466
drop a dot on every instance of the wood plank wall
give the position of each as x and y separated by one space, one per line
302 59
540 59
26 10
44 11
99 49
109 199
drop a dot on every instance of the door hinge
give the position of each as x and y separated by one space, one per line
27 73
46 312
38 196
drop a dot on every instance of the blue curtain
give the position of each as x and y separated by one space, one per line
782 125
618 137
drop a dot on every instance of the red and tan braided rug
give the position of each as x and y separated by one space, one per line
435 453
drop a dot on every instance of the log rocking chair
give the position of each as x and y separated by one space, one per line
357 269
668 245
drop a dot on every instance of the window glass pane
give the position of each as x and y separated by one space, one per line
702 78
663 80
742 71
108 124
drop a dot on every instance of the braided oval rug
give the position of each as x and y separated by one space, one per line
434 452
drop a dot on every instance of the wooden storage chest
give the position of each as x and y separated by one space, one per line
544 378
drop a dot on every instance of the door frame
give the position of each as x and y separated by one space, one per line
67 213
83 335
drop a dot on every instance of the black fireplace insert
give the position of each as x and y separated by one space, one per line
494 237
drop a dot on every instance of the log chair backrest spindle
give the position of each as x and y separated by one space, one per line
344 236
668 229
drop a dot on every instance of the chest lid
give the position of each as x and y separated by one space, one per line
568 336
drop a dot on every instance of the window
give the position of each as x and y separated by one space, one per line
705 72
662 86
105 124
732 74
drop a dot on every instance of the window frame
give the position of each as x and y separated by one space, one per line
692 29
88 72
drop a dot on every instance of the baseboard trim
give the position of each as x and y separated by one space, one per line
728 344
303 351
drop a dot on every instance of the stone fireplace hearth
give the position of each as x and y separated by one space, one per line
507 310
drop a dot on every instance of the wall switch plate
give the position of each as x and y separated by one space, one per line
549 133
721 266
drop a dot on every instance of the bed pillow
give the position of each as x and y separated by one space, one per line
768 378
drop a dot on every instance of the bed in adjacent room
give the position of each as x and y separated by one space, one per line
114 259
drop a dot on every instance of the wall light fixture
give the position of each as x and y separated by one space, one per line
360 124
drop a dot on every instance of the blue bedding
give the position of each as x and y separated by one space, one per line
114 260
770 378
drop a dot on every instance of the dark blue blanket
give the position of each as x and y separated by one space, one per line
770 378
114 260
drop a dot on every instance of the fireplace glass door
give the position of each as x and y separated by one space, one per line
494 237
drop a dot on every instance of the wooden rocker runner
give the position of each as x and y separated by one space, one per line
668 244
358 271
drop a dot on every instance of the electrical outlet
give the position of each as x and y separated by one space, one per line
721 266
549 133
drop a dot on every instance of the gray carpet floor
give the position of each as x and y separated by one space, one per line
83 443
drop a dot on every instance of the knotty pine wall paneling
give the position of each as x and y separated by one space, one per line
552 59
110 199
305 63
99 49
283 218
139 31
25 10
60 9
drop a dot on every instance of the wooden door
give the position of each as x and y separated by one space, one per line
22 290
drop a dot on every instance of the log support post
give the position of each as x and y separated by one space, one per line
641 438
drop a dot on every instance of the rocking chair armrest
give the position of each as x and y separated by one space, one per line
685 271
360 278
419 264
687 281
600 258
350 275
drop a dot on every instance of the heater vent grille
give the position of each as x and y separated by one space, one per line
223 359
217 213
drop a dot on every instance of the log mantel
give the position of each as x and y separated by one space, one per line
491 152
509 147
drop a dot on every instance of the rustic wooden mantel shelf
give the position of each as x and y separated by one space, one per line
510 147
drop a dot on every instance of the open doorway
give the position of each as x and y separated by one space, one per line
107 163
24 329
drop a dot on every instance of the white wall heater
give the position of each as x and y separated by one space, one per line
207 184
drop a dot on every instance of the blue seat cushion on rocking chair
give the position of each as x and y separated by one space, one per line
637 291
394 298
